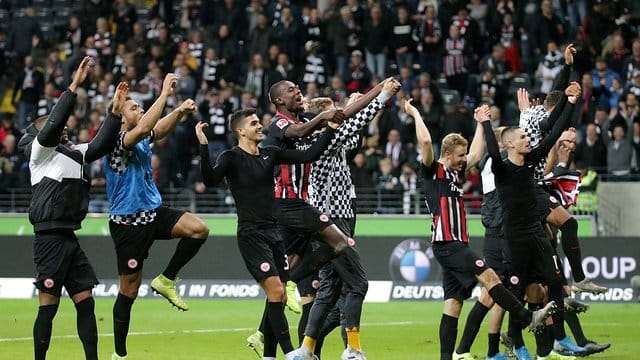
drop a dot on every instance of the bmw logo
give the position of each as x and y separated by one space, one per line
411 261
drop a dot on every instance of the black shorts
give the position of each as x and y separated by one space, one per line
534 260
299 221
133 242
460 265
494 251
61 262
545 203
262 250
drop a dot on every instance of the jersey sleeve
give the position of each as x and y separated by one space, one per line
212 175
278 127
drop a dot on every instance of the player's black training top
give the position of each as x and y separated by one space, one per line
250 177
516 183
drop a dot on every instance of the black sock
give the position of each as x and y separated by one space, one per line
544 341
555 293
87 329
503 297
515 332
448 335
279 325
571 247
572 320
121 316
42 330
472 326
494 344
270 341
312 262
186 249
304 318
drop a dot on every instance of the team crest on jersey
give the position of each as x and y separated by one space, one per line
48 283
514 280
411 260
282 123
479 263
132 263
265 266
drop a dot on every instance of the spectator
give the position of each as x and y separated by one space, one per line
259 38
344 34
592 152
631 64
358 76
73 37
549 68
403 44
619 154
104 43
408 179
455 59
30 86
375 41
45 104
124 16
213 70
395 151
362 176
12 165
616 53
287 35
315 70
315 30
429 39
23 30
214 112
389 189
54 70
283 69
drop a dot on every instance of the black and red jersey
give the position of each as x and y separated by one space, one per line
291 181
444 198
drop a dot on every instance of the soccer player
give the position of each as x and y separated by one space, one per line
60 202
137 216
462 268
536 122
289 130
248 170
331 181
529 247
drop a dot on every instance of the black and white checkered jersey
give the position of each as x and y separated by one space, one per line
530 123
330 186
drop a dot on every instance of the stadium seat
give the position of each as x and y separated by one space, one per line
38 4
441 84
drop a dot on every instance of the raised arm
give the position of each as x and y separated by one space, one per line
476 150
562 80
50 133
311 154
107 136
573 94
422 133
318 122
166 125
547 124
151 117
211 175
355 123
365 99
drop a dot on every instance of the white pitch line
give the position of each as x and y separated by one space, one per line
143 333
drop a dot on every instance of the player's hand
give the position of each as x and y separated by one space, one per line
564 152
569 51
573 89
391 87
119 98
523 99
408 107
187 107
202 138
482 113
81 73
169 84
568 138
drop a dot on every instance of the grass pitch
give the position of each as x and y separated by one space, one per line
217 329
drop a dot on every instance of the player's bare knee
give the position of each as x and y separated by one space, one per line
488 278
200 230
